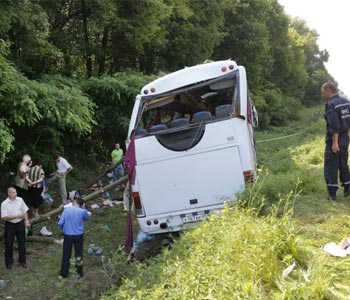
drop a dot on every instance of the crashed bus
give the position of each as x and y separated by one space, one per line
194 145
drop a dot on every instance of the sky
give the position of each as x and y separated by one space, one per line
331 20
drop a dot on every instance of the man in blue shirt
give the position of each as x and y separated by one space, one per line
72 224
337 115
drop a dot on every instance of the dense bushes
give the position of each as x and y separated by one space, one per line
275 108
114 97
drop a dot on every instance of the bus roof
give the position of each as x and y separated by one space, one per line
188 76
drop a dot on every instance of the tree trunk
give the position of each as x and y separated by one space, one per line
110 169
102 56
40 239
88 55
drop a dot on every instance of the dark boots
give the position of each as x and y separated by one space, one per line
346 190
332 194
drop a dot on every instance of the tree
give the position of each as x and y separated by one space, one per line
314 61
24 24
26 103
246 39
106 36
114 96
193 29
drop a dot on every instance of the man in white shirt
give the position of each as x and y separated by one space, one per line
14 213
63 168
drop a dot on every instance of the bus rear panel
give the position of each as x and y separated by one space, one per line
194 145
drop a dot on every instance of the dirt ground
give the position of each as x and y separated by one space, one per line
106 229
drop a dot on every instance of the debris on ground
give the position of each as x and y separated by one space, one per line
44 231
95 250
287 270
105 227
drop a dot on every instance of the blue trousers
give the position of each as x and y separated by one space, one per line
68 242
118 172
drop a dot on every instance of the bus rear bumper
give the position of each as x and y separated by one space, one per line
176 221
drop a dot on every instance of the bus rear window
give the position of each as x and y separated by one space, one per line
210 102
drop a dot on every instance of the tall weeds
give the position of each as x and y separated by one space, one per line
237 255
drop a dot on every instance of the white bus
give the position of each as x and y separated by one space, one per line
194 144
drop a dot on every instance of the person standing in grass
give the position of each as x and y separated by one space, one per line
337 116
14 213
35 177
117 155
72 224
21 183
63 168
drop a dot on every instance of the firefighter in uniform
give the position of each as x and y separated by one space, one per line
337 115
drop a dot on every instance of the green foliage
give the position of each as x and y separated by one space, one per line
114 267
63 103
193 29
6 140
114 97
246 39
299 157
78 38
314 62
34 114
274 107
283 62
26 102
16 97
236 256
26 26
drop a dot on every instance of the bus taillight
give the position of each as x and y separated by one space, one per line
223 69
137 201
249 176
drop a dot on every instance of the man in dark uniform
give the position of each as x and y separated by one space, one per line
337 115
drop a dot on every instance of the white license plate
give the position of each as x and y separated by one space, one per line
190 218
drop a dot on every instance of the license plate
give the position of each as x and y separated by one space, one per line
191 218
